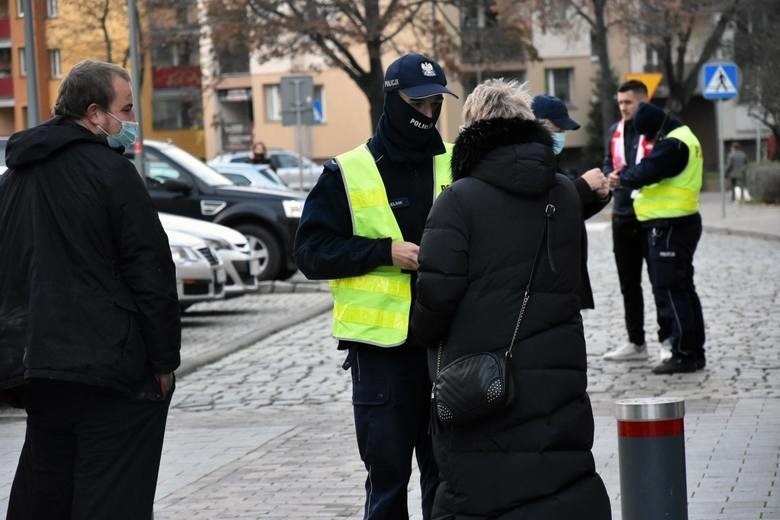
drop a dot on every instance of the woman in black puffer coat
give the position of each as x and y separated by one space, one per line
532 460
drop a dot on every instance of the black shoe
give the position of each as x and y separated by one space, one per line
701 362
678 364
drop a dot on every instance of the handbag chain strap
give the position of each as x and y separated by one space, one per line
549 211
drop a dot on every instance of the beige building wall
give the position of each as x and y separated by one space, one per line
347 121
568 49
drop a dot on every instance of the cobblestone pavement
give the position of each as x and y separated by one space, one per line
267 432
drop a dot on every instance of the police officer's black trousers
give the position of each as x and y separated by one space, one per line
88 454
671 246
391 396
628 245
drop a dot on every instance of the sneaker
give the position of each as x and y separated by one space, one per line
628 352
677 364
665 351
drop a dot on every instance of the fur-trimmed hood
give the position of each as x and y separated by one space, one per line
513 154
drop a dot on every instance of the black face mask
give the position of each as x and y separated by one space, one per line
406 134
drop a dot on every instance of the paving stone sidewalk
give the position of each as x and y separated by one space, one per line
267 431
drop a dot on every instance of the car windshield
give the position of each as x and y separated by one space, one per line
196 166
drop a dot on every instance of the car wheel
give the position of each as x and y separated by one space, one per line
263 243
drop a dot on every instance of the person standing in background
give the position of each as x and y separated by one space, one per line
735 170
625 148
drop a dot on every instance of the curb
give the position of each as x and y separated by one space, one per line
742 233
191 364
281 287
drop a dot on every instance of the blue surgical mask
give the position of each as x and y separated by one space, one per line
559 140
126 136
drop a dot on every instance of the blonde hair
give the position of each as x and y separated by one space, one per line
498 98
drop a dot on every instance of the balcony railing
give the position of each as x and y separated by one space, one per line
6 87
176 77
5 28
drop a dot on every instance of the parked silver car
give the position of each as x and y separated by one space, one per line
284 163
247 174
241 264
200 274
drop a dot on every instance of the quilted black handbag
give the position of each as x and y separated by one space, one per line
477 385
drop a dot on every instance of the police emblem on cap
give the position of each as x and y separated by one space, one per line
427 69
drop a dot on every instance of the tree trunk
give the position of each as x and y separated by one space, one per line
607 87
373 86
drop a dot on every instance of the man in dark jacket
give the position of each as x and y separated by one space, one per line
592 186
360 228
89 318
667 205
626 147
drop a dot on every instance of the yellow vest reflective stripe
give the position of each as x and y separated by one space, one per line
374 308
676 196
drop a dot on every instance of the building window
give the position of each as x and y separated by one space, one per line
20 8
22 62
5 63
56 63
558 83
177 109
181 53
233 57
51 8
273 103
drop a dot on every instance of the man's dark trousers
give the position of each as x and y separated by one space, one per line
630 249
391 399
89 454
671 246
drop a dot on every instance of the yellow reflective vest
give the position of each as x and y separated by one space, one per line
374 308
676 196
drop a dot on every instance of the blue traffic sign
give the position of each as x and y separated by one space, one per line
719 80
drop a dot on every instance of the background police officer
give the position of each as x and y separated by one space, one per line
360 228
668 207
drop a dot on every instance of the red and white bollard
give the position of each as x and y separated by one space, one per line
651 447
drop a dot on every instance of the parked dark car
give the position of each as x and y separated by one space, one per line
181 184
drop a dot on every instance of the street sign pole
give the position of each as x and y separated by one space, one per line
32 65
719 81
721 168
298 130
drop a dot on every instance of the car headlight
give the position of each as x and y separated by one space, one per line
292 208
244 248
184 254
218 244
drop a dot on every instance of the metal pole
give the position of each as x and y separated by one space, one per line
433 29
31 64
135 67
298 130
651 451
721 162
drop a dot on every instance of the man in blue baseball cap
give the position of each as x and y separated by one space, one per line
360 229
592 186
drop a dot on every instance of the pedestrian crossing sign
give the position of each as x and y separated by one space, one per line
719 80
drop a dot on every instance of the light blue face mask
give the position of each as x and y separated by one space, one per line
559 140
126 135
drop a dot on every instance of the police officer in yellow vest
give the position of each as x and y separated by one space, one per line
667 205
360 229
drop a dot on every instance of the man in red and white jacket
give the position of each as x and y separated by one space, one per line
625 148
